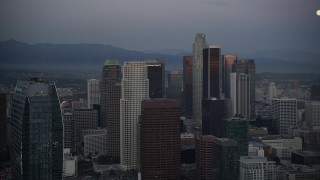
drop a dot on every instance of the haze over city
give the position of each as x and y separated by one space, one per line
239 26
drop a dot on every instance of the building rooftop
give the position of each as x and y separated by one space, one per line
111 62
187 135
307 153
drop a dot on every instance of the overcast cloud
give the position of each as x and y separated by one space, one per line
238 25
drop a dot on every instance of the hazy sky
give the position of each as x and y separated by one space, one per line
238 25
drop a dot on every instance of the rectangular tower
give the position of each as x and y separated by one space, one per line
110 104
213 112
36 131
174 85
4 147
284 111
187 86
93 92
247 66
240 95
160 139
135 88
212 72
228 67
156 78
197 68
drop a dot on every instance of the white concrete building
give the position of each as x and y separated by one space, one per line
257 168
240 94
272 91
135 88
93 92
69 164
197 70
284 110
312 114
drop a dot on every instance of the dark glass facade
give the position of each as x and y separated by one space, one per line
174 85
213 113
36 131
110 94
237 129
216 158
156 72
4 149
211 72
187 86
160 139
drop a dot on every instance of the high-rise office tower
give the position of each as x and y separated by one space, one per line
156 78
247 66
110 104
93 92
272 91
197 73
36 131
225 159
84 119
315 92
4 148
236 129
312 114
174 85
213 112
96 142
160 139
69 130
284 111
187 86
212 72
204 157
228 67
240 94
257 167
216 158
135 88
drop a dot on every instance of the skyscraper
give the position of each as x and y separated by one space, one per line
36 131
236 129
197 68
213 112
272 91
216 158
110 104
93 92
284 111
225 159
187 85
160 139
312 114
156 78
4 148
211 72
84 119
135 88
228 67
240 94
247 66
174 85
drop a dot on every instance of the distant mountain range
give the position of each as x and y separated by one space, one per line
77 57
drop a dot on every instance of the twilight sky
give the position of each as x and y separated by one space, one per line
238 25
